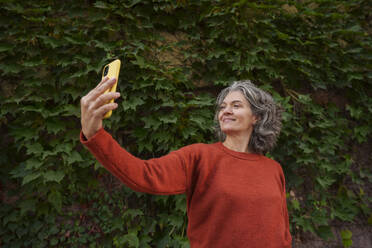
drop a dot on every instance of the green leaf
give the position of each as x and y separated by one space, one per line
36 226
168 119
53 176
132 103
12 217
140 61
27 205
304 99
73 40
325 182
86 60
370 220
305 223
325 232
33 163
53 230
55 199
355 112
97 165
128 240
346 238
30 177
71 110
362 132
55 126
50 41
10 69
33 62
74 157
151 122
5 47
132 3
24 133
346 234
295 204
347 243
200 121
132 213
100 5
132 239
54 241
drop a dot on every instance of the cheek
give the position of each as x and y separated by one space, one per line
245 117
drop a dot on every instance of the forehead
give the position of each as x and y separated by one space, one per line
235 96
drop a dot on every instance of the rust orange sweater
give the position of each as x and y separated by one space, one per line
233 199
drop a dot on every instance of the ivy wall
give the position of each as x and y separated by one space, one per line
313 56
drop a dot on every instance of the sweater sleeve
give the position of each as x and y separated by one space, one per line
164 175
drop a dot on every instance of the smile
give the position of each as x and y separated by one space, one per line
227 119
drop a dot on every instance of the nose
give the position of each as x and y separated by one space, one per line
227 110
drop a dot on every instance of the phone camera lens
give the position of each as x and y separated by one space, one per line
105 71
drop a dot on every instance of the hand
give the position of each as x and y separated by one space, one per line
95 105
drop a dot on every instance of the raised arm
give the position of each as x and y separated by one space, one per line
165 175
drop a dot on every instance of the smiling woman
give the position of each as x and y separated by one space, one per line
236 120
235 195
242 106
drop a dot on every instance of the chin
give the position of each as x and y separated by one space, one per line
230 131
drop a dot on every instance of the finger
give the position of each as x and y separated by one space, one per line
102 81
106 85
88 96
104 98
96 92
100 112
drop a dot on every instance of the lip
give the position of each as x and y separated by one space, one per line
226 119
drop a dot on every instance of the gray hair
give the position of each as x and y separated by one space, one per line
269 116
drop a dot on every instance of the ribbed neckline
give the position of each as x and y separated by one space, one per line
241 155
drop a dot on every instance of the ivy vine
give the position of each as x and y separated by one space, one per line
313 56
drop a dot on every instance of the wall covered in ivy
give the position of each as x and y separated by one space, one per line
315 57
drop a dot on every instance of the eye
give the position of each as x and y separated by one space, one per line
236 105
221 107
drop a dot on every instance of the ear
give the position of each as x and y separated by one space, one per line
255 119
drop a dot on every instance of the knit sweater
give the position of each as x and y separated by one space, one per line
234 199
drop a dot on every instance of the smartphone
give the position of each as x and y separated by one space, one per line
111 70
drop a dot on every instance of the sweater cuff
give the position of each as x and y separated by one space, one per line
92 139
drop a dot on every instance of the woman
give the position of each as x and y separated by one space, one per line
235 195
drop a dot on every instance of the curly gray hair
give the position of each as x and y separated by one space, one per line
269 116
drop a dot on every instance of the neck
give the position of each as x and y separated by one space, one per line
237 143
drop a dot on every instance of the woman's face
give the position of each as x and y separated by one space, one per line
235 115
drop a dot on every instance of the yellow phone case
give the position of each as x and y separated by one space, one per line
111 70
